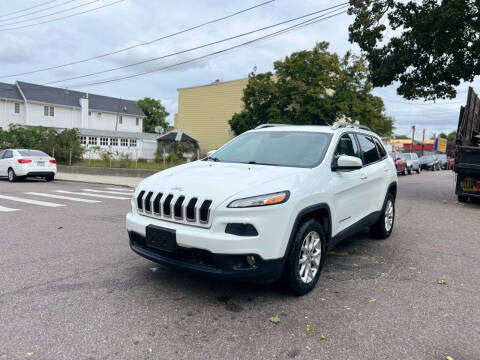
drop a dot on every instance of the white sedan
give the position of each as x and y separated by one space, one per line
21 163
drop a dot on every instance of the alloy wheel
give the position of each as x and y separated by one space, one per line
389 215
310 257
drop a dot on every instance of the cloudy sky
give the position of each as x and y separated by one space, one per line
129 22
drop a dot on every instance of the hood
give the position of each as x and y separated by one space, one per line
217 181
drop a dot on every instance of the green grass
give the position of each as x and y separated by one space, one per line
131 165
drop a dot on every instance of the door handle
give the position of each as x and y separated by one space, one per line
385 169
363 176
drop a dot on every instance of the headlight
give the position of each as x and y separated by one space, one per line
261 200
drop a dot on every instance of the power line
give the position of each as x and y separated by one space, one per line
138 45
64 17
288 29
51 14
197 47
30 8
37 11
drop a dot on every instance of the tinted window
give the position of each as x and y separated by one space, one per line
8 154
32 153
280 148
1 153
347 146
380 148
369 149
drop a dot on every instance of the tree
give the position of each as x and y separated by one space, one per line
443 135
452 137
155 113
312 87
428 46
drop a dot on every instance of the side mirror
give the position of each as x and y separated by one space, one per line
347 163
211 152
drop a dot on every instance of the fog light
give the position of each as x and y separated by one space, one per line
251 260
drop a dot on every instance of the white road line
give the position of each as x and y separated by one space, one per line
94 195
63 197
31 202
107 192
5 209
119 189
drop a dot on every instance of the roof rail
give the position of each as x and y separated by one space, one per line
263 126
363 127
339 124
342 124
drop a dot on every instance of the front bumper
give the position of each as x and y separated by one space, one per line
225 266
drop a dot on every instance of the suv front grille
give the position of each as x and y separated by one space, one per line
175 208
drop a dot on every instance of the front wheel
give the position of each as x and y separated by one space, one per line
419 169
50 178
404 171
306 258
409 171
383 228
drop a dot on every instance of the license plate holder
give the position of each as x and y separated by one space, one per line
40 163
161 238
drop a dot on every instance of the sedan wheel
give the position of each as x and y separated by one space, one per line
11 175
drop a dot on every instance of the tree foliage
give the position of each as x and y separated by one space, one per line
50 141
155 113
312 88
429 46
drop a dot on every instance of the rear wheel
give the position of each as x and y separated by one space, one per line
306 258
404 171
419 169
383 228
12 177
409 170
50 177
462 198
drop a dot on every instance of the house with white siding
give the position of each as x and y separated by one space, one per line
110 123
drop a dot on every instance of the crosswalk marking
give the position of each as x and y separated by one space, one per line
5 209
107 192
28 201
93 195
63 197
119 189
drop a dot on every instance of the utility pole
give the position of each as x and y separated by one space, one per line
423 141
413 138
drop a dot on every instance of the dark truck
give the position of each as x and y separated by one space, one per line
467 153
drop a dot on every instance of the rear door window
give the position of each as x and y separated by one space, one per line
8 154
369 149
380 148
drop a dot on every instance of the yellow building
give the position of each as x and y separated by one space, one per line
204 112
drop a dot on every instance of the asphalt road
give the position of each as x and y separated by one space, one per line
70 288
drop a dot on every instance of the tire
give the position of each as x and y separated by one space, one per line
462 198
50 178
310 230
12 177
409 170
404 172
419 170
383 228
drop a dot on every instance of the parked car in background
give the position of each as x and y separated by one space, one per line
18 164
451 162
443 161
399 161
429 162
413 163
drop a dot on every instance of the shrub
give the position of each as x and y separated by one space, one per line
142 160
125 160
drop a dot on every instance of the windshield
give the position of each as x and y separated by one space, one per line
408 156
442 156
427 158
32 153
279 148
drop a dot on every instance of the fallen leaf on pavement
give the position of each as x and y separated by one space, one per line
310 328
274 319
29 354
322 337
372 300
307 347
448 358
441 282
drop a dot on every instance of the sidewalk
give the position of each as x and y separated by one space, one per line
100 179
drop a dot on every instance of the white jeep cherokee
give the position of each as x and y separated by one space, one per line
268 204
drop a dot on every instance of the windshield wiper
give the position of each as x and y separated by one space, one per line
257 163
212 158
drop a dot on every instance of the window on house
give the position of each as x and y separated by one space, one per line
114 141
92 140
83 140
137 121
45 110
52 111
89 113
123 142
133 142
99 114
120 119
103 141
17 108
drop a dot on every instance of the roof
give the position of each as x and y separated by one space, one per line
59 96
216 82
118 134
176 135
9 91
